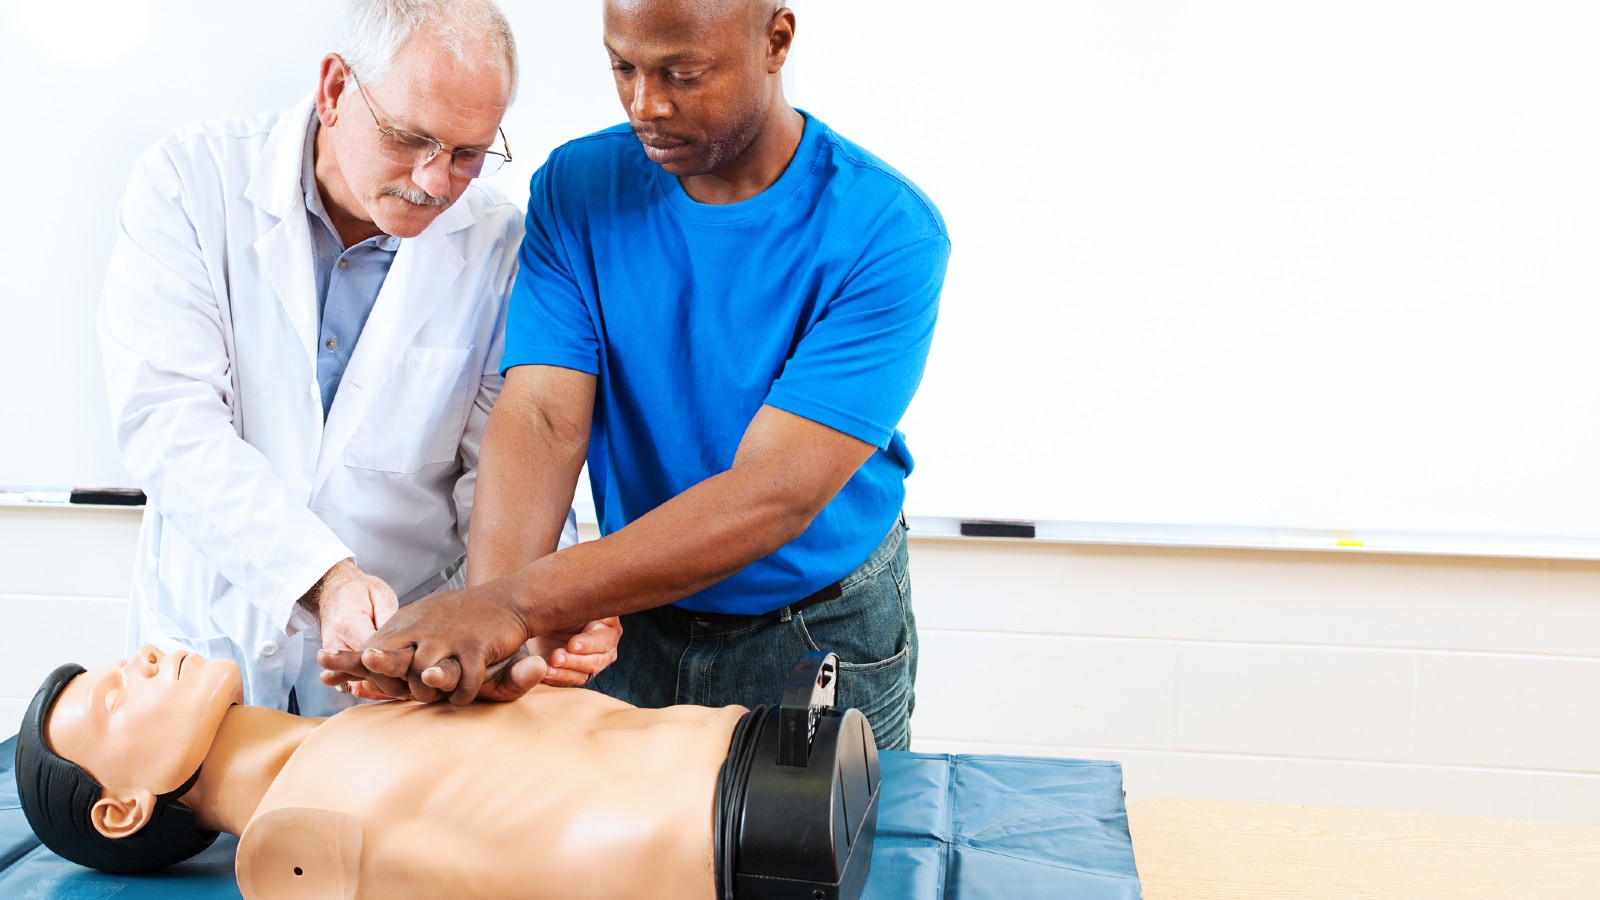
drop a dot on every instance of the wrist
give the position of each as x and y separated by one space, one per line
545 598
311 600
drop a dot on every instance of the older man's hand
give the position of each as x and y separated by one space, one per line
350 606
575 657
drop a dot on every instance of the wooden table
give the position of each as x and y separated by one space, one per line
1221 849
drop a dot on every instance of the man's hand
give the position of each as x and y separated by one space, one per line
350 606
575 657
584 654
456 644
503 681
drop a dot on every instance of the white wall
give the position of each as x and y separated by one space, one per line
1425 684
1429 684
64 576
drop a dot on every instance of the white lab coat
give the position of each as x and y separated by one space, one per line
209 329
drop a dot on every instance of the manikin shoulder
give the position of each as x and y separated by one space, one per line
295 852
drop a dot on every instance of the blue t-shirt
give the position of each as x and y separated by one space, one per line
817 297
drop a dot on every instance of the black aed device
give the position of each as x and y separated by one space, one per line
809 807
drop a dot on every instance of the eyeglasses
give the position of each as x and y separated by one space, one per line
415 150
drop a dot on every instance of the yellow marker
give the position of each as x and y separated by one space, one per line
1349 542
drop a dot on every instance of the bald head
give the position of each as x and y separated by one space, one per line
696 21
756 12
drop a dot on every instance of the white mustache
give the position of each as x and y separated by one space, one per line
416 195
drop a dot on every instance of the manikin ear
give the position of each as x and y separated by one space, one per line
118 817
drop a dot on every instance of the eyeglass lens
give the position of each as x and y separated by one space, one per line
415 150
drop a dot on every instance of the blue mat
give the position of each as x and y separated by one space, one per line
963 827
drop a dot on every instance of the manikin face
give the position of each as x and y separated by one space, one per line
144 723
695 78
426 92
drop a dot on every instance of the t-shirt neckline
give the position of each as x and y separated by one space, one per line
793 178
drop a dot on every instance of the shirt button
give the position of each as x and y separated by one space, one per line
269 649
332 344
344 263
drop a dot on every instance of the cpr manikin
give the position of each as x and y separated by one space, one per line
564 793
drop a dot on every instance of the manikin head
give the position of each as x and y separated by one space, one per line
103 757
699 78
443 70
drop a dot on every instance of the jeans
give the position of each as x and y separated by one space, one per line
668 656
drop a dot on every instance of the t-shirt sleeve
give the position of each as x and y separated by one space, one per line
858 366
547 319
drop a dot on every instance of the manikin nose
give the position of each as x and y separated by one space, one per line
148 659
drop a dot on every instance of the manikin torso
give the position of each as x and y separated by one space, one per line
564 794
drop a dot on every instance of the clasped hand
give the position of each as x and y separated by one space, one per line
470 645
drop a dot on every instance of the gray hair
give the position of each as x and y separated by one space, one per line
375 30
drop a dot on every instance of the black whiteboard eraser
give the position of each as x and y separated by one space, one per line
996 528
107 496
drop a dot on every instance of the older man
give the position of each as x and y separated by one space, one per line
301 329
726 306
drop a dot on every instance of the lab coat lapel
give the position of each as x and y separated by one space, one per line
285 253
285 248
423 276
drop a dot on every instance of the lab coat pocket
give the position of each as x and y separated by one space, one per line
216 647
182 591
417 418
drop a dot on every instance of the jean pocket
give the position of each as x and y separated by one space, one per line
874 686
875 660
868 633
882 691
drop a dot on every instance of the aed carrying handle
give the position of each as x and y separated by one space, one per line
812 685
809 812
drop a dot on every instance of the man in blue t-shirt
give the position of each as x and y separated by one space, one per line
725 307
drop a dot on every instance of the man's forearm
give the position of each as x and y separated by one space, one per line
526 480
698 538
693 541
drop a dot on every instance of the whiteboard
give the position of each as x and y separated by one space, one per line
84 101
1247 263
1221 265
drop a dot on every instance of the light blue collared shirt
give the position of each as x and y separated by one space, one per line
348 280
